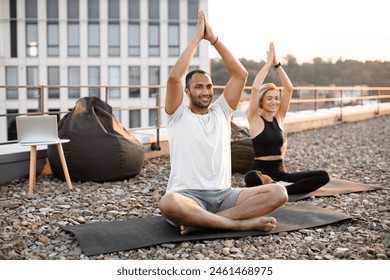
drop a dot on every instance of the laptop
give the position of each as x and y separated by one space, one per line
38 130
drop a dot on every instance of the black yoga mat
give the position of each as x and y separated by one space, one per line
106 237
335 186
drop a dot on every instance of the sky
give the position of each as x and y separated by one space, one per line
329 29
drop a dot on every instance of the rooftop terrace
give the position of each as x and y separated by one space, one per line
355 151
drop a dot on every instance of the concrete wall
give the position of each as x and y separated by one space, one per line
15 162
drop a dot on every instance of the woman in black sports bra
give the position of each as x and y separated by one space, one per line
266 114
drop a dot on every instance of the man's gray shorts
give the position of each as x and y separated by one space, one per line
213 201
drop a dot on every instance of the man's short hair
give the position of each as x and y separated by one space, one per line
190 74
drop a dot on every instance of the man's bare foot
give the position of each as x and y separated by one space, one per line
260 223
186 229
266 224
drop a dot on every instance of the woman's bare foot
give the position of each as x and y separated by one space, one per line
265 179
256 178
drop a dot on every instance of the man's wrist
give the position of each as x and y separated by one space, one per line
277 65
215 41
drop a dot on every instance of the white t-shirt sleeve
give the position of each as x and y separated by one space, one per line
224 105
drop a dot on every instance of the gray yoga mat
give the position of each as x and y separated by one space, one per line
335 186
106 237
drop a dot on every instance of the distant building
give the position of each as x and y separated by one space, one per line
92 43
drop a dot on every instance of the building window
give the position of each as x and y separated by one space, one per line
134 80
93 39
52 28
173 40
134 39
113 39
191 33
32 39
93 28
134 28
73 39
153 117
154 28
154 9
173 28
154 39
154 80
11 124
31 28
113 28
93 9
32 80
114 80
13 29
53 79
52 9
133 9
73 28
73 9
113 9
52 39
94 80
173 10
193 8
11 79
74 80
134 118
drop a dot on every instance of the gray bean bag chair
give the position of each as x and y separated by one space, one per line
241 149
100 148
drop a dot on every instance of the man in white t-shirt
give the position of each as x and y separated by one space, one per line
199 193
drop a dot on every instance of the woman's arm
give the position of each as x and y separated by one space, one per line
286 92
259 79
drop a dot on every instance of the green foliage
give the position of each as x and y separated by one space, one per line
316 73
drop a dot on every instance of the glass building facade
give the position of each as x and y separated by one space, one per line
78 48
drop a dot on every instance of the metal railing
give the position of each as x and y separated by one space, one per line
341 97
304 98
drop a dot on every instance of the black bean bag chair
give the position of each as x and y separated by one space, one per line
100 148
241 149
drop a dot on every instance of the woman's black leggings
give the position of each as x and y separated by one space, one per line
302 182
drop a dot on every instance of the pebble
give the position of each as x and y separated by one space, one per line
30 228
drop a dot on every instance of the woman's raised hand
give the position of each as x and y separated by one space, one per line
271 53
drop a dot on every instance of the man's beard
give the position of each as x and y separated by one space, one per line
195 101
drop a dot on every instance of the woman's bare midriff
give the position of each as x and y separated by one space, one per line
270 158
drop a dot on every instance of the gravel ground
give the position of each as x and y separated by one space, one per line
360 152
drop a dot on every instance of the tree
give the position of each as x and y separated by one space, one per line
317 73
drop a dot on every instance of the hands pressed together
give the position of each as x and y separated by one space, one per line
203 29
271 56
